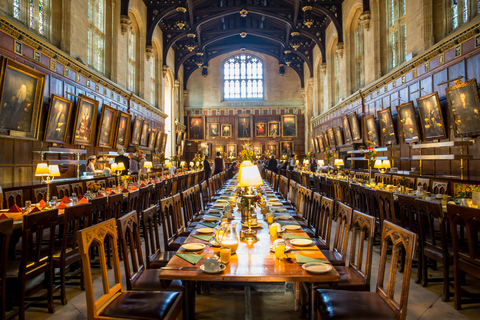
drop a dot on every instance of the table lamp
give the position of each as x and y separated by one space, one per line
148 165
321 163
382 166
242 165
114 167
50 172
192 165
250 176
338 162
182 164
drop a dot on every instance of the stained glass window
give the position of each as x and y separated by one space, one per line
478 6
153 82
321 98
32 14
131 60
397 32
465 11
16 9
243 77
336 73
96 34
41 16
357 70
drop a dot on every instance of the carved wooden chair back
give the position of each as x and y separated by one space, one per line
14 197
386 206
168 187
325 221
205 194
293 193
40 194
283 186
344 188
112 181
144 197
99 209
115 203
408 210
425 183
343 218
316 210
77 188
63 190
168 218
329 188
439 187
151 234
132 200
6 230
357 196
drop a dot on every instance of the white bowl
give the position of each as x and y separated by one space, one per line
258 225
317 267
301 242
193 246
287 248
205 230
222 267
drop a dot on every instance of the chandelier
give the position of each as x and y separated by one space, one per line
295 40
181 17
288 57
191 42
243 13
243 34
307 16
199 60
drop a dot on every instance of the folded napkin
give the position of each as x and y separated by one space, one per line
125 190
66 199
61 205
42 203
209 224
135 184
189 257
82 201
143 185
150 182
214 214
79 197
35 209
285 223
108 189
289 236
3 217
303 259
14 208
134 188
205 238
112 193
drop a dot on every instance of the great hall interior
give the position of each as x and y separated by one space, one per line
239 159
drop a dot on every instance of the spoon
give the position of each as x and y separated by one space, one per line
288 259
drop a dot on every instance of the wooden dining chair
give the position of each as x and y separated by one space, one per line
357 197
132 200
175 188
425 183
40 194
344 190
172 224
381 304
466 253
330 187
77 188
14 197
116 303
6 230
205 195
100 209
168 187
63 190
112 181
343 218
35 262
323 227
386 206
439 187
115 203
144 197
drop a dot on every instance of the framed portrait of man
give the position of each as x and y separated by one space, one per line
158 142
196 128
231 151
182 147
273 148
258 150
123 129
164 141
213 130
21 100
226 131
346 130
464 105
85 121
325 139
204 149
137 131
57 120
218 149
106 131
338 135
371 130
321 145
387 130
260 130
313 144
408 121
151 138
273 129
286 147
244 127
144 136
431 118
289 126
354 127
331 138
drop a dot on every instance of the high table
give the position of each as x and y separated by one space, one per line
251 264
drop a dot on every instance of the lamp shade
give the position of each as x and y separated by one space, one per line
386 164
148 164
250 177
114 167
182 163
120 166
338 162
192 164
378 164
321 162
54 170
242 165
42 170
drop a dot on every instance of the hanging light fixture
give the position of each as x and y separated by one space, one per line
199 60
243 13
204 71
288 57
307 15
281 69
243 34
181 19
295 40
191 42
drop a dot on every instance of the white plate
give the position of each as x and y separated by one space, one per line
301 242
275 203
292 227
287 249
214 211
280 209
222 267
205 230
193 246
214 243
222 201
219 205
211 219
317 267
258 225
284 217
224 197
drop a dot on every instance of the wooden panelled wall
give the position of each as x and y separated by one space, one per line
431 76
17 161
299 141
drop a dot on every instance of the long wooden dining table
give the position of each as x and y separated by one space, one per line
251 264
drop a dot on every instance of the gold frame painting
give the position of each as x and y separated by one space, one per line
213 126
347 133
164 141
227 133
247 131
123 129
218 148
158 142
292 147
374 131
137 131
338 135
276 152
387 129
464 104
321 144
20 119
196 134
291 121
81 134
231 147
408 121
331 138
257 150
152 139
355 127
434 119
260 126
274 131
144 135
107 127
56 127
325 139
204 146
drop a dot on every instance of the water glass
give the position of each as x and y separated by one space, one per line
225 253
279 246
28 204
102 191
54 201
74 198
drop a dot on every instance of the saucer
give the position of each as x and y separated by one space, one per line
287 249
222 267
219 205
214 243
193 246
205 230
317 267
279 209
258 225
292 227
301 242
284 217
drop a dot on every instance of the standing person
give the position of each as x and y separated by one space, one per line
91 163
291 163
313 166
123 159
133 165
218 164
206 167
272 164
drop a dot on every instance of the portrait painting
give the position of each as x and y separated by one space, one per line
226 130
196 128
260 130
321 145
338 135
85 121
354 127
371 130
21 100
431 118
286 147
258 150
464 105
182 147
158 142
325 139
108 123
213 130
123 130
151 138
218 149
272 147
244 127
144 135
57 120
204 149
274 129
231 151
289 126
164 141
387 130
137 131
408 122
313 145
331 138
346 130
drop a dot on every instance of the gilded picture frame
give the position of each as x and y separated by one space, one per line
85 121
346 130
106 130
244 125
226 130
464 104
231 151
387 129
371 132
274 129
321 144
164 141
331 138
123 130
287 147
213 130
355 127
158 142
137 131
431 118
273 148
204 149
218 148
289 126
58 118
260 130
152 138
258 150
338 136
196 128
144 135
325 139
407 119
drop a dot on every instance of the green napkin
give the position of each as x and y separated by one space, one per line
285 223
191 258
293 236
209 224
202 237
214 214
303 259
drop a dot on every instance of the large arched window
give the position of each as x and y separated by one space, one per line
336 78
357 70
153 78
243 78
96 34
321 84
167 103
459 12
132 61
396 32
32 12
17 9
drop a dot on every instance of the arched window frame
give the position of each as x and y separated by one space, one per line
321 87
396 32
357 68
238 81
131 57
336 77
34 13
153 77
460 12
96 34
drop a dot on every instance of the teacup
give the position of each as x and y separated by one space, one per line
212 264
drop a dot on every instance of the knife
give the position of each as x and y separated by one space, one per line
180 268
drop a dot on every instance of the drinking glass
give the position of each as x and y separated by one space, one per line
74 198
54 201
102 191
279 246
225 253
273 230
269 217
28 204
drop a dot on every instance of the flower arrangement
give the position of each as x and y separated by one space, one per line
346 172
328 154
369 152
161 157
126 179
310 155
267 153
246 154
403 181
94 187
465 190
176 158
198 158
139 156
